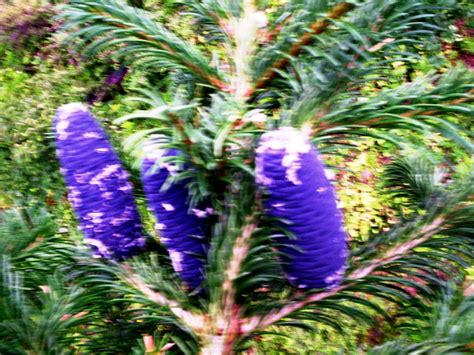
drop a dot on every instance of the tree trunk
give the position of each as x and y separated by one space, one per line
218 345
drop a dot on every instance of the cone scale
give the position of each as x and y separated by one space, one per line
180 227
298 193
98 186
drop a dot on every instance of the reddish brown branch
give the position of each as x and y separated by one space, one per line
398 251
317 27
321 125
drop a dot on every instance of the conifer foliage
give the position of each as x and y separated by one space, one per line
233 170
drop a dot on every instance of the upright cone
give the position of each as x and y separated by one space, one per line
298 192
181 228
98 186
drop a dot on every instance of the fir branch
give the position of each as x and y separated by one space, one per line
245 288
213 15
443 107
340 64
449 218
194 321
398 251
447 328
260 322
414 179
29 238
317 28
254 323
112 23
42 319
415 106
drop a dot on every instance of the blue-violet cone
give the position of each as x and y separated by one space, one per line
181 228
98 186
289 170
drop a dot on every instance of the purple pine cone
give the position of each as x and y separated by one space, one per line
181 229
289 170
98 186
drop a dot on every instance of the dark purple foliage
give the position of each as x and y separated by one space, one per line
467 58
29 27
98 186
117 76
112 82
23 23
300 195
181 228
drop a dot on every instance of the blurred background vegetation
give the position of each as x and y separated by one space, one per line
38 74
